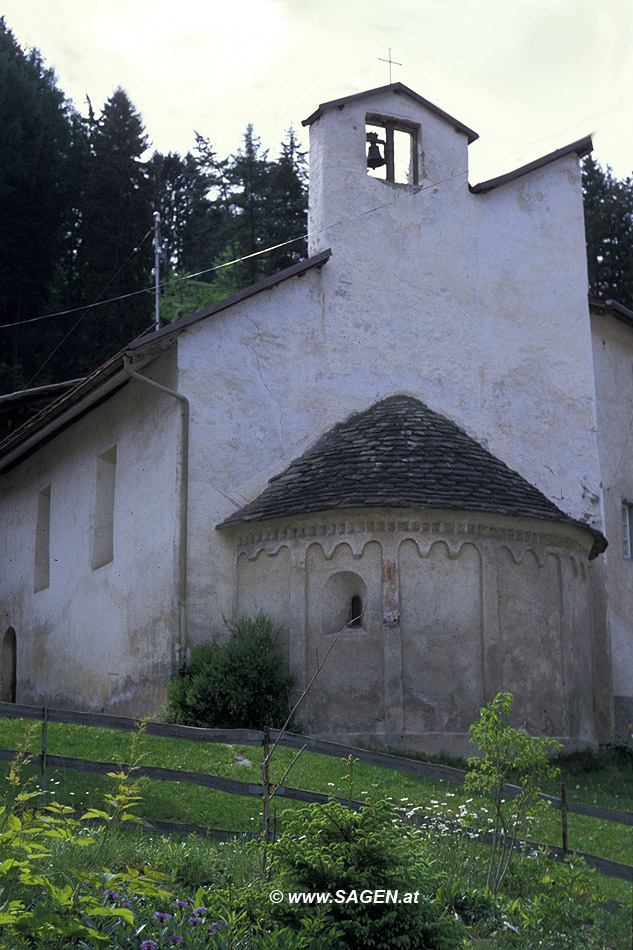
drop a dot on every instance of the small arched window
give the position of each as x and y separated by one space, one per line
356 612
344 604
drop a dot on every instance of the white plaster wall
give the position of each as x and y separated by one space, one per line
474 302
613 357
97 639
532 655
250 375
263 585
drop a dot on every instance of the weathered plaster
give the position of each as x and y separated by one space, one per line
465 315
97 639
487 603
475 304
613 360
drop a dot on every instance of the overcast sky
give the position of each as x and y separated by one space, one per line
528 75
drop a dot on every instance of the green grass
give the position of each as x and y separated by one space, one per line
602 780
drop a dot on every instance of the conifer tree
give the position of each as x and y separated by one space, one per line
248 175
259 204
115 248
288 205
36 199
189 222
608 208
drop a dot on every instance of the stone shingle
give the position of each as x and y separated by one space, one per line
400 454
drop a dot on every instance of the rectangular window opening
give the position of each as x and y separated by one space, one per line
103 533
627 529
42 541
392 150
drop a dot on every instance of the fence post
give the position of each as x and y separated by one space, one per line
43 755
563 812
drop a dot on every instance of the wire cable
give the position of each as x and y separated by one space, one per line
414 190
238 260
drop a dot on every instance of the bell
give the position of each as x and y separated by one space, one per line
374 158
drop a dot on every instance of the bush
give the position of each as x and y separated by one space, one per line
330 849
508 754
242 683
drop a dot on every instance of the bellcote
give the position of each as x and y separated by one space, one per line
365 145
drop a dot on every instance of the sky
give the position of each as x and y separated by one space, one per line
529 76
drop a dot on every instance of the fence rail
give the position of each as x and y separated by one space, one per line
254 790
255 737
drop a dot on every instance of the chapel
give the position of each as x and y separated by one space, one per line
418 436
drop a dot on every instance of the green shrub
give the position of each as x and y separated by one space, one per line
508 754
242 683
332 850
556 905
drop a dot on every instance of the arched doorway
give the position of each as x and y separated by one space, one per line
8 667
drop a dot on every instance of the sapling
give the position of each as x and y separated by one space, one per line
270 789
508 754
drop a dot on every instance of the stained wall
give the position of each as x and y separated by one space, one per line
101 633
473 606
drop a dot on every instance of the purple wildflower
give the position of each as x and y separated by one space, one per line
175 939
181 903
214 928
128 904
149 945
200 910
162 916
195 920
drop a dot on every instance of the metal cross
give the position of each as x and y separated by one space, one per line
391 62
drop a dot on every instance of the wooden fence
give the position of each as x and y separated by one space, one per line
256 790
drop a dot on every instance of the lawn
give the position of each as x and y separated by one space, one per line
593 778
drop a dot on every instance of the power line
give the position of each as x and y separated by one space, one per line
85 309
238 260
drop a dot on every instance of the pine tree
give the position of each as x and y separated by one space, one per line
608 207
189 222
287 210
37 195
248 176
114 237
260 204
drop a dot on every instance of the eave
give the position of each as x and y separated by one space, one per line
67 409
398 89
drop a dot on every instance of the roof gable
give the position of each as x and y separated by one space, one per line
112 374
267 283
399 89
581 147
400 454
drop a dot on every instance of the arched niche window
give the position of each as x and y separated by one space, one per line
8 657
344 602
356 611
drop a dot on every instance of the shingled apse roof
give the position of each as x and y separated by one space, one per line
401 454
